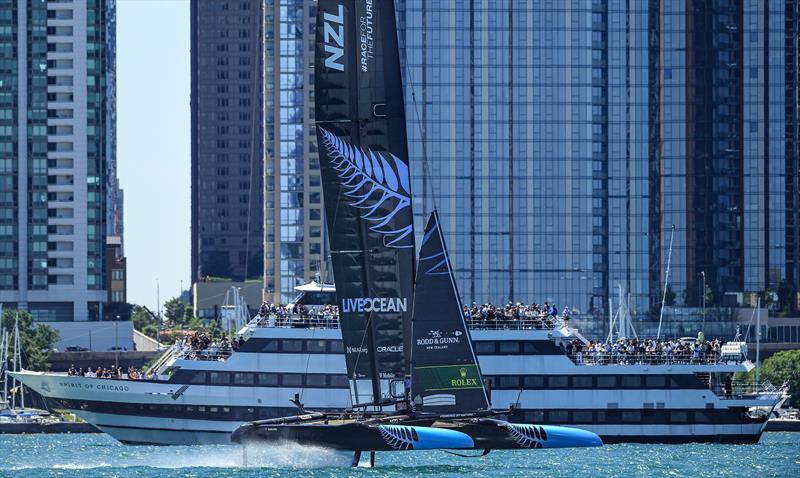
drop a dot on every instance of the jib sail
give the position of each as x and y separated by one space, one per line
445 373
365 177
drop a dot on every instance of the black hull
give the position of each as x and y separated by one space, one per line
482 434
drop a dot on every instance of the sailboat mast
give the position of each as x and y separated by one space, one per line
363 161
18 355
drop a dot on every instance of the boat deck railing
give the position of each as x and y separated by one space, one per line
215 353
545 322
299 321
647 358
746 390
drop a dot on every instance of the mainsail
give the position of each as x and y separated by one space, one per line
446 377
364 163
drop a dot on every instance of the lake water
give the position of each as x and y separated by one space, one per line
85 456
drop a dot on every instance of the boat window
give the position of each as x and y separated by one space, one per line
291 345
507 347
606 381
656 381
339 381
220 378
243 378
198 378
558 381
316 346
268 379
534 416
582 416
631 381
533 381
678 416
292 380
337 347
529 348
270 345
484 348
601 416
631 416
508 381
557 416
315 380
702 416
582 381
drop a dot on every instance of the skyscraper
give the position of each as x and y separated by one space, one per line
561 142
227 127
57 166
256 191
294 241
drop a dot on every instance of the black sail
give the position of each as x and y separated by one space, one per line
365 177
445 374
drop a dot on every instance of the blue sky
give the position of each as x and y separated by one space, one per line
153 144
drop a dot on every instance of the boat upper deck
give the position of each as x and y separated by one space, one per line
566 341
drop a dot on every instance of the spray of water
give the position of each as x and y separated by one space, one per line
292 455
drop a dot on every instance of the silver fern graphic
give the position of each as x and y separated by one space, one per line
527 436
398 437
373 185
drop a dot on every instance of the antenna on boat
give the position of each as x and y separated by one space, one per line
666 282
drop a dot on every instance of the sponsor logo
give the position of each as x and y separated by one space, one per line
356 350
464 382
438 340
333 34
390 348
375 304
367 47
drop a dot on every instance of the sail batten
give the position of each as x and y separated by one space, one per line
361 137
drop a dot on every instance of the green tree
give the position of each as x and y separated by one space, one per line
141 318
188 314
37 340
779 368
783 366
174 310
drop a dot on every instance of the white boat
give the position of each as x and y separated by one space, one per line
201 396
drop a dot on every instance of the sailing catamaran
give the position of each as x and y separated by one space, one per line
450 407
414 378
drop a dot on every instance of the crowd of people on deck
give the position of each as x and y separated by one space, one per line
112 372
323 312
535 315
201 345
647 351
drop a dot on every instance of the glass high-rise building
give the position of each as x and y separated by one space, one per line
561 141
256 191
227 125
59 196
294 239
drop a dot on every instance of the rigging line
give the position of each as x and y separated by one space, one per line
308 361
257 59
422 135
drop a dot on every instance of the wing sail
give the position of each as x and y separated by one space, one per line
446 377
363 153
